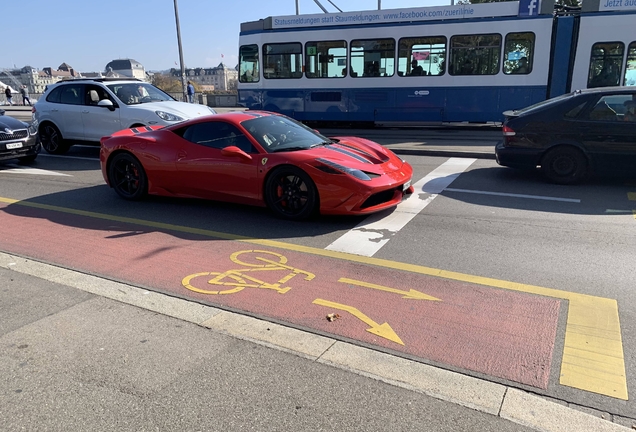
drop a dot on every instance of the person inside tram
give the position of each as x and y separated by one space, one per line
608 76
416 69
522 66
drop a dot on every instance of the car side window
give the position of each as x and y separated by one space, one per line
71 95
218 134
54 96
614 108
93 94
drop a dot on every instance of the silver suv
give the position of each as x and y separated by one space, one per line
85 110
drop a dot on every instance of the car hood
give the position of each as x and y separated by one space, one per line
10 123
182 109
358 153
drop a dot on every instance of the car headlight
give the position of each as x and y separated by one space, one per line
329 167
33 129
168 117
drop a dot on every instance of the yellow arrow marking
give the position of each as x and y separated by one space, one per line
410 294
383 330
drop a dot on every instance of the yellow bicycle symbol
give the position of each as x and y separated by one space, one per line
258 261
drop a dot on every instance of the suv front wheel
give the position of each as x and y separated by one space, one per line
51 139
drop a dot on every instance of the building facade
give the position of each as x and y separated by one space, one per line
209 79
128 68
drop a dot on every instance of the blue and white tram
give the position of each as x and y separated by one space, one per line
430 65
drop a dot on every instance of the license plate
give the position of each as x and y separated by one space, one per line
14 146
406 185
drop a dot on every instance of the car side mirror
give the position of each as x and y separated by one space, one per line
106 103
234 151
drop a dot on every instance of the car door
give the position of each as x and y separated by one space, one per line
98 121
204 171
69 111
609 132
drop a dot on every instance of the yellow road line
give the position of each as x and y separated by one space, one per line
593 358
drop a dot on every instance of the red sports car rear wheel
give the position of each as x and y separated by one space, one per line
290 193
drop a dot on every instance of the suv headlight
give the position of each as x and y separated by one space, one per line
168 117
33 128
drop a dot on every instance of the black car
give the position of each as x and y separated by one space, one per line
18 140
572 135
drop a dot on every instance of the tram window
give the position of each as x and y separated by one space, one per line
283 60
422 56
518 53
372 58
606 63
248 58
475 54
630 70
326 59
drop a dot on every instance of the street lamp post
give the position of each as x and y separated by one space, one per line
183 77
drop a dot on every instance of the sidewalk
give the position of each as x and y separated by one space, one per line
79 352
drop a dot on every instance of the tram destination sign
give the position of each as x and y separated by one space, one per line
387 16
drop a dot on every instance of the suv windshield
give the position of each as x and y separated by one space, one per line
138 93
276 133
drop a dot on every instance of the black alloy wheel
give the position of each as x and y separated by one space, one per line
51 139
290 193
564 165
127 176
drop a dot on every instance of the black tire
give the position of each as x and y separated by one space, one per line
291 193
52 140
26 160
564 165
127 176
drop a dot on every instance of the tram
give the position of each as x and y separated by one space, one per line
462 63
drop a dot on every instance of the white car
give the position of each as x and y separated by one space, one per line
85 110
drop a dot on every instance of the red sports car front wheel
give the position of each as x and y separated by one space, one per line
290 193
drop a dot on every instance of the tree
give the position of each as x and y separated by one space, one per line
167 83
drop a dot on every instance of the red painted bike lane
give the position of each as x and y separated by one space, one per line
495 332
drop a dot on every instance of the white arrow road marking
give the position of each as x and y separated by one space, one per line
16 169
370 235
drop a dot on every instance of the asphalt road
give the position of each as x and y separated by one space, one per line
487 222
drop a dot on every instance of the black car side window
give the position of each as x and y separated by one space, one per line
54 96
612 108
574 112
217 134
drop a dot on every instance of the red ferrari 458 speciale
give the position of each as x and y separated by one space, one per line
258 158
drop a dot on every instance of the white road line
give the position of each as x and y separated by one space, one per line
25 170
370 235
538 197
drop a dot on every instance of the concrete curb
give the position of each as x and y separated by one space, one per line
506 402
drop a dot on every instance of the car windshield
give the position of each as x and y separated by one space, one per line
278 133
138 93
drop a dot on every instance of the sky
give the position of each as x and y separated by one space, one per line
87 34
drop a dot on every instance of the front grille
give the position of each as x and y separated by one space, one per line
380 198
16 135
